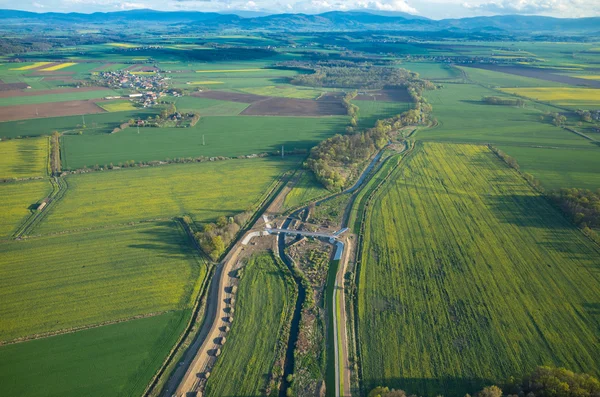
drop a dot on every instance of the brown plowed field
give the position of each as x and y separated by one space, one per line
542 74
7 94
11 87
396 95
230 96
54 109
295 107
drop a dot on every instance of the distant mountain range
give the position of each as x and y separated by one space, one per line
329 21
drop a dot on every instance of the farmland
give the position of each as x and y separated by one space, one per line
559 168
563 96
117 106
463 117
223 136
54 283
371 111
459 275
305 190
51 97
18 201
23 158
114 360
248 357
204 191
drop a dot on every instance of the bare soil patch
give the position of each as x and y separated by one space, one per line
54 109
7 94
542 74
388 95
231 96
11 87
295 107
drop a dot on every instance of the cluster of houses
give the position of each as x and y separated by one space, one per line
126 79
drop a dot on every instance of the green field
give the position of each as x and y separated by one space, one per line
431 70
559 168
23 158
467 276
18 202
371 111
205 191
95 123
304 191
224 136
113 360
209 107
78 279
463 117
117 106
62 97
248 357
285 91
499 79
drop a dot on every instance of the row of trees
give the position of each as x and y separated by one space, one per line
214 238
543 382
582 206
368 77
494 100
335 160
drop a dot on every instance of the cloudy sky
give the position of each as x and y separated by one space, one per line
429 8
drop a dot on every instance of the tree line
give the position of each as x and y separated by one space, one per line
494 100
582 206
542 382
336 160
214 238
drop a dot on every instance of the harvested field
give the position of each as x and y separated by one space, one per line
8 94
399 95
230 96
12 87
69 108
542 74
295 107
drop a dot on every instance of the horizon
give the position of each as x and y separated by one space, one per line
442 9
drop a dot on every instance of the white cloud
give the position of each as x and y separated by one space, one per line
562 8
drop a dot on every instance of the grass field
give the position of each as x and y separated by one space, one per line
371 111
205 191
114 360
563 96
463 117
209 107
58 67
559 168
95 123
306 189
17 199
468 276
249 354
55 283
23 158
499 79
117 106
284 91
63 97
224 136
229 70
431 70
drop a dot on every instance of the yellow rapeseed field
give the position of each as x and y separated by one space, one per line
562 95
33 66
59 66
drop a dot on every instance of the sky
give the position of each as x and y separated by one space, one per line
436 9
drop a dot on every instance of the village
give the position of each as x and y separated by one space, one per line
149 86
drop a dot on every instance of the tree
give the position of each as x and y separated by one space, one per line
490 391
218 246
221 221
